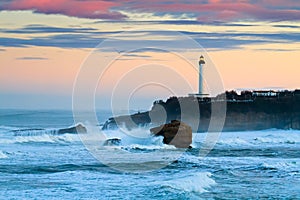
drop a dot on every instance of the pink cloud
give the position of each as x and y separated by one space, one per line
229 10
205 10
85 9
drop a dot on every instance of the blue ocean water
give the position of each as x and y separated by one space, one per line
37 163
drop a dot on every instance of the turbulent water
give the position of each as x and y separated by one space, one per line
37 163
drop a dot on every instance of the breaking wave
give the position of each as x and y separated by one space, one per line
141 138
137 139
264 137
66 138
198 182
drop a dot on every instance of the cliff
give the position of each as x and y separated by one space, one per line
255 110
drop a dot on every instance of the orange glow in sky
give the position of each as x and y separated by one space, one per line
41 54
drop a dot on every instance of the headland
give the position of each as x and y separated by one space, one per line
249 110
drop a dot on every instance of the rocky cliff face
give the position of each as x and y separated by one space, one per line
242 112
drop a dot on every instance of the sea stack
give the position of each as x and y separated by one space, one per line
175 133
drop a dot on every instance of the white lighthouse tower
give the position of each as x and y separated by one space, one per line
201 65
200 93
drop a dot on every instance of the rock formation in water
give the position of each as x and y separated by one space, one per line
75 129
175 133
112 142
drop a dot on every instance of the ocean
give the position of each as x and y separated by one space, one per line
38 163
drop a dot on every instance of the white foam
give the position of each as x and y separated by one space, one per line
151 147
247 138
49 138
3 155
8 128
65 138
137 138
198 182
233 141
278 139
6 141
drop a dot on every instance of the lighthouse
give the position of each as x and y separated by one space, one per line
200 93
201 65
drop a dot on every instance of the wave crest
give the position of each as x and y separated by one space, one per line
198 182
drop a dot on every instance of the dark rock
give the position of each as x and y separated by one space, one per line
75 129
112 142
130 121
175 133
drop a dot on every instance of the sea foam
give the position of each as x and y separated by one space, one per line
198 182
65 138
2 155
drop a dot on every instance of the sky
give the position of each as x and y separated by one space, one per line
150 49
